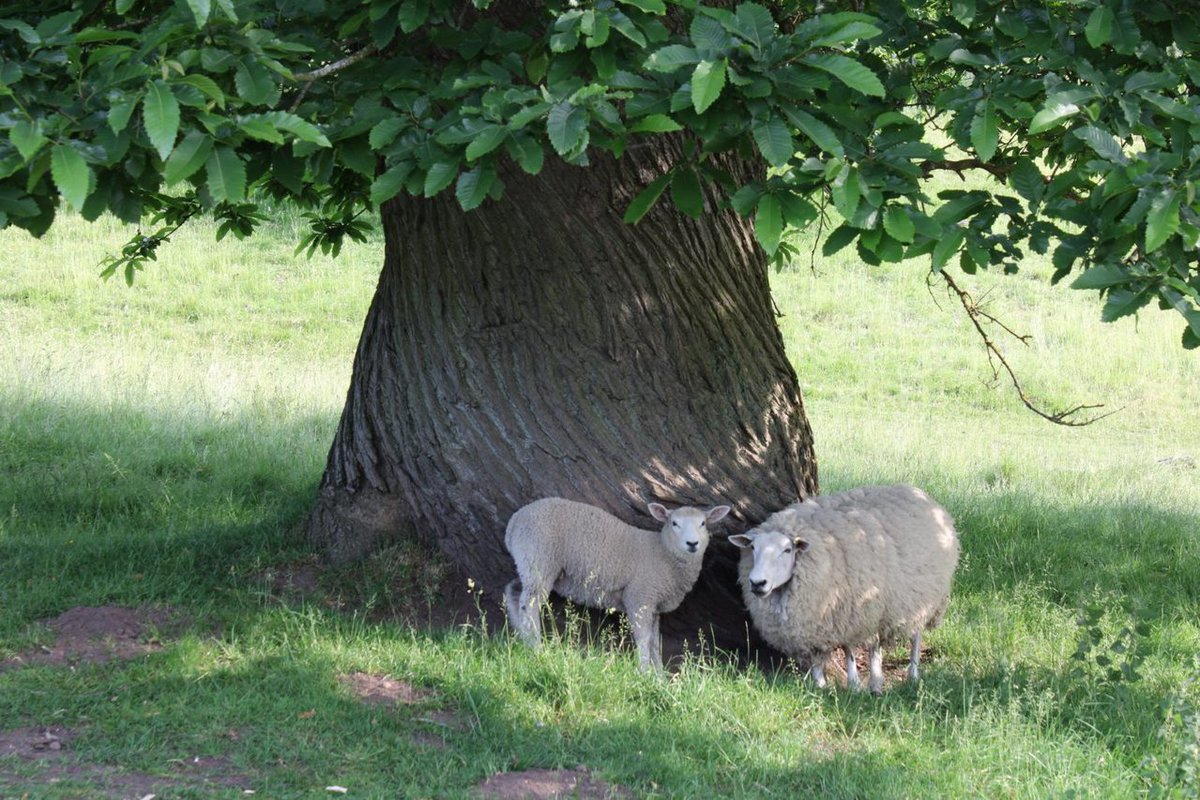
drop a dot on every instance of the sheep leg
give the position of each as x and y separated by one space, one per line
656 641
914 658
875 676
644 621
852 681
816 670
529 612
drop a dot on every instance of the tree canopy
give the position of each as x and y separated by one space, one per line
1085 110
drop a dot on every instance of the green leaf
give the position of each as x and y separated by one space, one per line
472 188
685 191
527 152
820 133
413 14
1099 26
707 82
768 223
388 184
797 211
709 34
655 123
1028 180
566 126
385 131
985 130
255 83
1053 114
671 58
649 6
208 86
1103 142
646 199
226 175
201 9
1163 220
260 129
774 141
848 71
1102 276
160 113
27 137
187 157
302 129
440 176
898 224
119 113
947 246
845 191
1123 302
745 199
753 23
838 239
485 142
71 174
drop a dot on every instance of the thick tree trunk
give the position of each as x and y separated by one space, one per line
539 346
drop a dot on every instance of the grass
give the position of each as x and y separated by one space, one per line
160 443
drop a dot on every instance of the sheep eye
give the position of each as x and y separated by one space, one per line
675 523
788 550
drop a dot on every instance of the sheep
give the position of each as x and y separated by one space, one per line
863 567
589 556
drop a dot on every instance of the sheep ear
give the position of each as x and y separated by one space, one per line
742 540
659 512
716 514
801 544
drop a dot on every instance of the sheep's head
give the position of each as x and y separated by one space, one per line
775 556
685 530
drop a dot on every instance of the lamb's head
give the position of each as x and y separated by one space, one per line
685 530
775 556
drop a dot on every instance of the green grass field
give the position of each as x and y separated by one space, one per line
160 443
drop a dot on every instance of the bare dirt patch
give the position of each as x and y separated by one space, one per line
99 634
545 784
36 743
381 690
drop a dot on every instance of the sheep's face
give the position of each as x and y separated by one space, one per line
685 530
774 559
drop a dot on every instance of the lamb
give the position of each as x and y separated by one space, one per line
589 556
863 567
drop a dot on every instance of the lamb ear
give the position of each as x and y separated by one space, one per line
659 511
716 514
801 544
742 540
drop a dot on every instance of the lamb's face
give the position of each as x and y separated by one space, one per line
774 559
685 530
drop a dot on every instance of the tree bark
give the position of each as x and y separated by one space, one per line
539 346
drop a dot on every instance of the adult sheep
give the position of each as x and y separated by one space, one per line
863 567
589 556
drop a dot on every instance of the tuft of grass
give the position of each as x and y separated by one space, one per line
160 444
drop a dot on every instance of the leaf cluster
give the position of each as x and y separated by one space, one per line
1084 111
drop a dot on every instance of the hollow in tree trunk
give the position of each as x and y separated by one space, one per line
539 346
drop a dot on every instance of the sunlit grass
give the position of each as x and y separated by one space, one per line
160 444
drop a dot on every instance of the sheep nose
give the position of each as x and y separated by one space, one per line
691 546
759 587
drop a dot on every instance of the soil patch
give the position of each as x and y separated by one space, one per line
380 690
36 743
545 784
97 635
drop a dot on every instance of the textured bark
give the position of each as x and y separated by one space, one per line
540 346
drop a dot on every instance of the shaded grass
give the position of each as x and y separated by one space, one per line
160 444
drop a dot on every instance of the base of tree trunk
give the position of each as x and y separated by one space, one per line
541 347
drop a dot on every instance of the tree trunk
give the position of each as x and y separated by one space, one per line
539 346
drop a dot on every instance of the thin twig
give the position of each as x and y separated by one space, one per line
335 66
961 165
978 316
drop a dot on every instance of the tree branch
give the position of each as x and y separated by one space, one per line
978 316
334 66
961 165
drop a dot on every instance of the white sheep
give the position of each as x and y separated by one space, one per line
863 567
589 556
